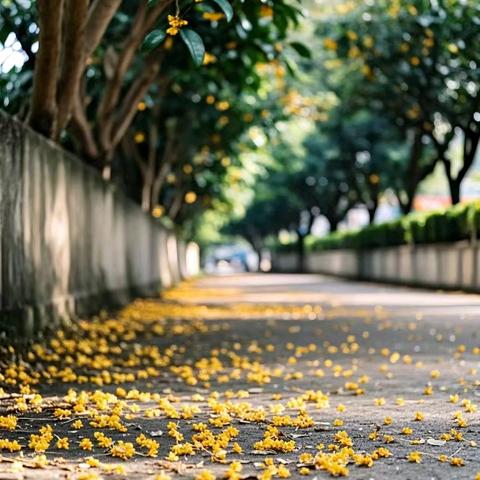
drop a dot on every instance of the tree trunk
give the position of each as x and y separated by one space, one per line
176 205
454 186
470 146
333 223
73 60
301 253
147 204
372 210
43 108
406 204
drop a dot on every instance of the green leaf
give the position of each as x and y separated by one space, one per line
195 45
301 49
226 7
153 40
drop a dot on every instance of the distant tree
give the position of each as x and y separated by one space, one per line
420 69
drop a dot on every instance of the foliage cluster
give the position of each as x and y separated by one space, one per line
457 223
400 85
161 96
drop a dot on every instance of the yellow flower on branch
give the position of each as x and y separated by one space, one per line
175 24
330 44
213 16
414 457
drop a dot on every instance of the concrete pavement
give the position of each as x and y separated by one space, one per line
360 377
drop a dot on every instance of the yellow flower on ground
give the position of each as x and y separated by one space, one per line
86 444
205 475
414 457
8 422
123 450
62 443
419 416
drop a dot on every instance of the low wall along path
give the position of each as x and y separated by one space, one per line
69 242
452 266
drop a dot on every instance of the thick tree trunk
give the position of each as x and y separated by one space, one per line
454 186
43 108
301 253
257 245
333 223
73 60
470 146
416 172
372 210
405 202
170 155
147 186
407 207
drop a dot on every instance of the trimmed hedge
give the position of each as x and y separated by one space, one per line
460 222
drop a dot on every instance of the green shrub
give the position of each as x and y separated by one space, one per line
460 222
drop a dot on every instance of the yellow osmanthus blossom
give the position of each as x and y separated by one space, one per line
88 476
113 370
86 444
8 422
175 24
419 416
123 450
40 461
266 11
213 16
93 462
10 445
330 44
272 442
205 475
63 443
41 442
414 457
162 476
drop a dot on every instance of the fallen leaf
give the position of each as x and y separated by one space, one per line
435 442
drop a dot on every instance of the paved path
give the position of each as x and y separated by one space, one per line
352 376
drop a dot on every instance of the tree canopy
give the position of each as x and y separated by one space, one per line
278 111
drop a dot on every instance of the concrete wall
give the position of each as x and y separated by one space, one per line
452 266
69 242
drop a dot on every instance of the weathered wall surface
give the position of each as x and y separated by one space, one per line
69 242
452 266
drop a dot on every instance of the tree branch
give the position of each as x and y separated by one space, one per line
135 94
114 84
82 132
100 15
